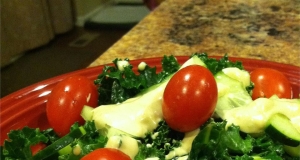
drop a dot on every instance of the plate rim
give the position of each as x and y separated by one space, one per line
60 77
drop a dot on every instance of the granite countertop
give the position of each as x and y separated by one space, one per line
266 30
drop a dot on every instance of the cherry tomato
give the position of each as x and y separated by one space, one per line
106 154
190 98
66 101
37 147
269 82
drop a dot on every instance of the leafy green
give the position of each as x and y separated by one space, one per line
265 147
159 142
216 142
215 65
18 145
87 143
51 135
117 85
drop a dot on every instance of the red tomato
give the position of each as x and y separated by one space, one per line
36 148
67 100
190 98
269 82
106 154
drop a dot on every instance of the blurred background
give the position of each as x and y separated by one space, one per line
46 38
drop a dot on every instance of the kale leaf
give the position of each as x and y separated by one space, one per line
18 145
115 85
216 142
87 143
159 142
215 65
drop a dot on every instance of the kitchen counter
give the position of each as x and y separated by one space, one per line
266 30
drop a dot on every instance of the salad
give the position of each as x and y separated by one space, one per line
203 109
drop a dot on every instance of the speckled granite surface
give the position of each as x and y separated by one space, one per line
257 29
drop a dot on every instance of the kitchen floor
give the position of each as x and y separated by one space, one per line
67 52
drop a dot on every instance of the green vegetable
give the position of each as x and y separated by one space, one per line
60 144
216 142
232 93
85 144
282 130
293 151
18 145
215 65
86 113
117 85
163 135
86 137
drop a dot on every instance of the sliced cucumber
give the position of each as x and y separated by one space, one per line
281 129
87 113
66 150
238 74
192 61
55 147
292 151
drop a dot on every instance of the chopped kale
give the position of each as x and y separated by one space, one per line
216 142
20 141
159 142
87 143
215 65
117 85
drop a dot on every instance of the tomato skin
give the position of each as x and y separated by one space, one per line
66 101
106 154
190 98
269 82
37 147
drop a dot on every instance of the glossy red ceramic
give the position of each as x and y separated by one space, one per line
26 107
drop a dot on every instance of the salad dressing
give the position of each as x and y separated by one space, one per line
125 143
253 118
135 116
186 145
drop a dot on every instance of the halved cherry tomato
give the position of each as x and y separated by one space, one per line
106 154
190 98
269 82
66 101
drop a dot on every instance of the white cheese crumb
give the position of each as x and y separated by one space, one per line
153 136
148 145
122 64
142 66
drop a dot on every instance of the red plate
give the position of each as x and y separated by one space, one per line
26 107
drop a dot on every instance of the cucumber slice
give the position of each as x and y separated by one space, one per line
292 151
281 129
238 74
66 150
192 61
55 147
87 113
